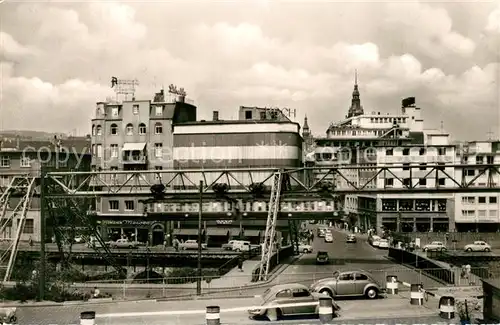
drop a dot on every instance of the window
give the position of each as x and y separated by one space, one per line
422 181
300 293
159 110
481 213
248 115
114 151
135 109
407 181
493 213
481 199
442 181
470 172
158 150
98 130
422 205
389 182
114 129
93 150
99 151
142 129
406 152
389 152
93 129
158 128
285 293
4 161
423 166
441 151
389 205
361 277
406 166
441 205
129 205
493 199
468 213
4 180
158 176
468 200
479 160
346 277
421 152
113 205
490 160
25 162
130 129
29 226
114 112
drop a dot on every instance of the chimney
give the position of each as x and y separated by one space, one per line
216 116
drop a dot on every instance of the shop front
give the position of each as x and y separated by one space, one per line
148 232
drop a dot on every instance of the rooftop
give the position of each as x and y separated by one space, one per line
72 144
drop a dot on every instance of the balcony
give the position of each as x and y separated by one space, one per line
132 158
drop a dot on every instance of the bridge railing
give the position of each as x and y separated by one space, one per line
238 285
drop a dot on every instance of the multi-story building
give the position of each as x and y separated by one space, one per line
18 158
259 138
478 211
135 135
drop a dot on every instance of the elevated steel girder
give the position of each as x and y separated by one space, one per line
347 180
173 216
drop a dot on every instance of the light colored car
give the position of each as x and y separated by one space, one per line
351 239
436 246
321 232
284 294
328 238
375 241
122 243
191 244
304 248
383 244
478 246
349 283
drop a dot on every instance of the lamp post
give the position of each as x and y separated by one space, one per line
200 212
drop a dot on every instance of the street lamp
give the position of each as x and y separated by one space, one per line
200 213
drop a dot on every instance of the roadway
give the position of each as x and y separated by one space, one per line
343 256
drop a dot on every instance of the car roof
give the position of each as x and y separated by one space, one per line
289 286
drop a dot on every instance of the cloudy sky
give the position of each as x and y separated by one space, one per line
57 58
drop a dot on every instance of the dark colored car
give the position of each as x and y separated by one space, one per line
322 258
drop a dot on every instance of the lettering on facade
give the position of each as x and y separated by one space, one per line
127 223
224 222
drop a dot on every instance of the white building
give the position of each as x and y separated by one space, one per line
477 211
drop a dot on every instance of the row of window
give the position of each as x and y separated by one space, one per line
135 111
29 227
423 205
388 182
97 150
114 205
480 199
441 151
481 159
129 129
5 162
388 119
480 213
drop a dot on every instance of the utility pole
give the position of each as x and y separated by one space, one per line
43 213
200 212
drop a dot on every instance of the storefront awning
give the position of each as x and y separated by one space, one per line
252 233
186 232
134 146
234 232
217 231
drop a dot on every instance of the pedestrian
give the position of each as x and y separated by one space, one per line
96 292
240 263
312 237
30 241
176 244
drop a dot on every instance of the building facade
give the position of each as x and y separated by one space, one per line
478 211
20 157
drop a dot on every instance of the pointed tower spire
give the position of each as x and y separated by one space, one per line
306 126
356 108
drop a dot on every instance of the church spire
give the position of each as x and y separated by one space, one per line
306 126
356 108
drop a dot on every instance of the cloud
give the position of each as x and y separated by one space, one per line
493 24
56 68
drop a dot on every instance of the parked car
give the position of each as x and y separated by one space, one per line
478 246
375 240
321 232
348 283
228 246
122 243
328 238
322 258
383 244
288 294
351 239
305 248
191 244
435 246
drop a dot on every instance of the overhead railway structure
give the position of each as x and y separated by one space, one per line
69 198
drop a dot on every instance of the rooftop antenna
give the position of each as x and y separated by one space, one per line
124 87
442 127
